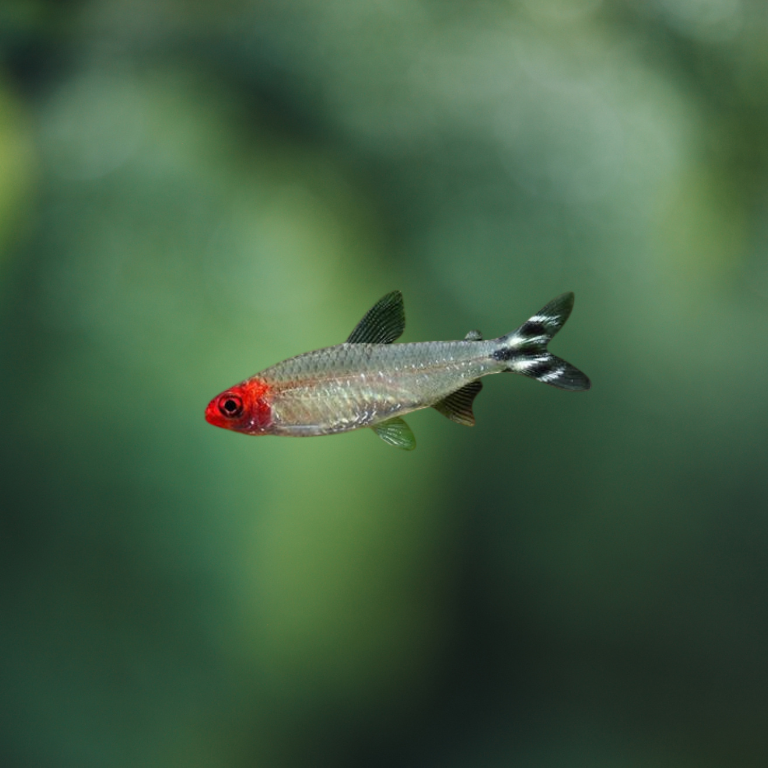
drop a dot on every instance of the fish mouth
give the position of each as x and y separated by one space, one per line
211 413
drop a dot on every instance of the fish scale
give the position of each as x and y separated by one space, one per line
368 381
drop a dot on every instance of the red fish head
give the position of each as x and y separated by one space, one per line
242 408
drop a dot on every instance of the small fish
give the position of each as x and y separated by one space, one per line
370 382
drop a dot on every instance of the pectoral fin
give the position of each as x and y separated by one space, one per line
458 405
396 432
383 322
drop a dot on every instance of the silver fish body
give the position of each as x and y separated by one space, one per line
370 382
348 386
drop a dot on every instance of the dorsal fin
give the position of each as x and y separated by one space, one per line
383 322
458 405
473 336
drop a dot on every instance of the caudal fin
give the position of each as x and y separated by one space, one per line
525 350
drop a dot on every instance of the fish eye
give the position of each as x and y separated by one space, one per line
230 406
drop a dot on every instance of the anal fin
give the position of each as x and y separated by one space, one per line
458 405
396 432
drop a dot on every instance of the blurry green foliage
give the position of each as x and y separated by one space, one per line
190 192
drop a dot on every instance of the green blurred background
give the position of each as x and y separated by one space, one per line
192 191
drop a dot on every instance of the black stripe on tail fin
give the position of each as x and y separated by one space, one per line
525 350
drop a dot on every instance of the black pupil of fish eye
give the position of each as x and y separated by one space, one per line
230 406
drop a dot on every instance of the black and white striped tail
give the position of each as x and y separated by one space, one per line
525 350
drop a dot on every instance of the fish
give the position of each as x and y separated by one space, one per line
368 381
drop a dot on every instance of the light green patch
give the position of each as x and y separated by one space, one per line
17 167
701 231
